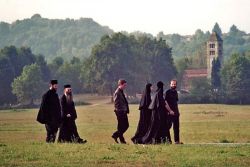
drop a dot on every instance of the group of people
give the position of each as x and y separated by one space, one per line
157 115
58 113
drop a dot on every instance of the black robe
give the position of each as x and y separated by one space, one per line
50 109
145 115
158 126
68 131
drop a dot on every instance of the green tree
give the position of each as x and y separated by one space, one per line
6 75
69 73
215 74
29 85
236 79
138 60
217 29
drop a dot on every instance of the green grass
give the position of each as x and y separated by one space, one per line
22 139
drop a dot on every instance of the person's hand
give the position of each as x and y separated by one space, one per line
171 112
68 115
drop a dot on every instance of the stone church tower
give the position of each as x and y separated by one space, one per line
214 51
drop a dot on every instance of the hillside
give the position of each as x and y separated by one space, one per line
53 37
69 37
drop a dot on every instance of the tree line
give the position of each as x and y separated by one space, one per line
139 60
25 76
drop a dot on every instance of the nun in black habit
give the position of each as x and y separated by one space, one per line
145 115
158 126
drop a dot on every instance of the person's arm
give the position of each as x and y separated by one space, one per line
168 108
63 107
117 98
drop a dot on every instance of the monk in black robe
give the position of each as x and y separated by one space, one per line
158 127
50 112
145 115
68 130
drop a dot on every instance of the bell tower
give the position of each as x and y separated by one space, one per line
214 51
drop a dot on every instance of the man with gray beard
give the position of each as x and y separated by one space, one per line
68 131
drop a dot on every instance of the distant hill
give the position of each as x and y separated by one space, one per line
53 37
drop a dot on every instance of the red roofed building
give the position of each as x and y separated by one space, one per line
214 51
190 74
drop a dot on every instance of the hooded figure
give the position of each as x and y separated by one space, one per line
158 124
145 115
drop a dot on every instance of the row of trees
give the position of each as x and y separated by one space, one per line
14 62
138 60
24 76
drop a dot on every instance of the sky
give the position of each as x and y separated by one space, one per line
151 16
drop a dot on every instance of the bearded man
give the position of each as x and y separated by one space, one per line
68 131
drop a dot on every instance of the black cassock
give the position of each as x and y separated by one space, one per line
158 126
68 130
145 115
50 109
50 114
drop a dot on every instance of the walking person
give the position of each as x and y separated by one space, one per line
121 111
50 112
171 97
68 130
145 115
158 127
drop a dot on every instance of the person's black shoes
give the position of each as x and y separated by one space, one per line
122 140
81 141
115 138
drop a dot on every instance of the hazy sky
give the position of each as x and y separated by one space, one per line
151 16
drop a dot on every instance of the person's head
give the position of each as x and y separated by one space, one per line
122 83
68 93
160 85
53 85
173 84
67 89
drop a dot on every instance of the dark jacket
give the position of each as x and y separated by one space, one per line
121 103
67 109
50 109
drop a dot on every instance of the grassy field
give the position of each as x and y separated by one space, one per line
213 135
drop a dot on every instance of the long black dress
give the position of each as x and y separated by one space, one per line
145 115
158 126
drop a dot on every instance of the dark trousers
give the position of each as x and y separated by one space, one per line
51 132
174 120
122 126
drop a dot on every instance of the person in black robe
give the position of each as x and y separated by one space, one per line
68 130
145 115
50 112
158 126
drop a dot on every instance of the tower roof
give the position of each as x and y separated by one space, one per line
215 37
